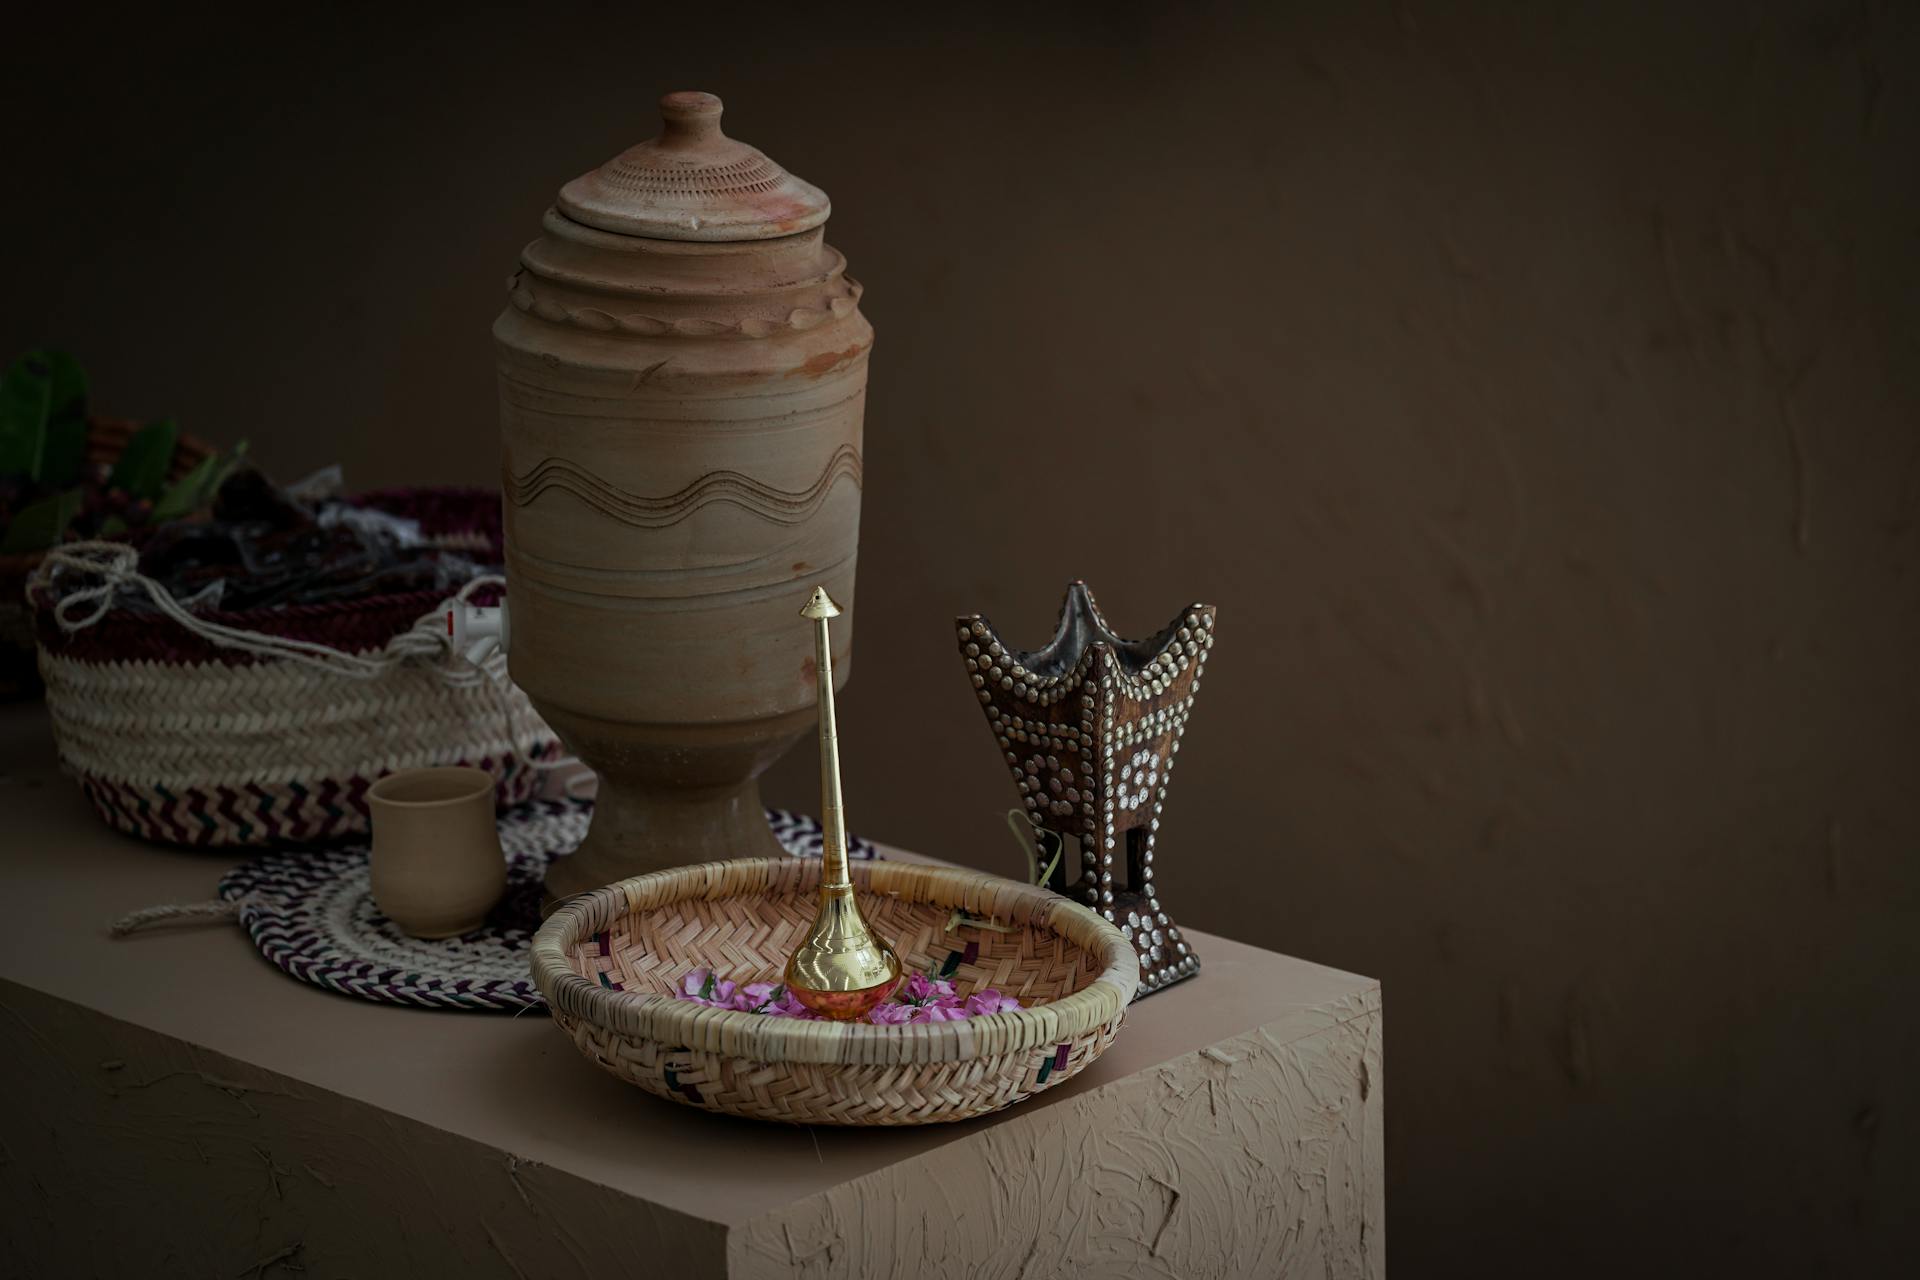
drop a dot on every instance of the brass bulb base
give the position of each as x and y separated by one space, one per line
844 968
844 1006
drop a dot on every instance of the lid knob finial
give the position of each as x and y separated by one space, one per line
690 117
692 182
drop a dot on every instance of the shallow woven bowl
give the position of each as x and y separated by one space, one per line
609 963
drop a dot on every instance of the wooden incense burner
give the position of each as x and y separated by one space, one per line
1089 725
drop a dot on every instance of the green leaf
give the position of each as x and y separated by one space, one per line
65 451
25 393
183 496
111 526
38 525
141 468
196 489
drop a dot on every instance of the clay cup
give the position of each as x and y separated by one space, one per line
437 868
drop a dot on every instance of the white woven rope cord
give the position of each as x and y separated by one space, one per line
116 568
174 913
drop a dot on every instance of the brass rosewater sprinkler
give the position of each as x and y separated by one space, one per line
844 968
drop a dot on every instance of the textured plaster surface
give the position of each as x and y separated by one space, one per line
129 1152
1258 1156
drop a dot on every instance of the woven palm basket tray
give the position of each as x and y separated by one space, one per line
609 963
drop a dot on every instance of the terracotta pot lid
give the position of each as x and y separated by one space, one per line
693 182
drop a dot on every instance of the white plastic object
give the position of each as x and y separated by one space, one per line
476 630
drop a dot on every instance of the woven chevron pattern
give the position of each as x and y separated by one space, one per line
311 912
816 1093
273 753
610 961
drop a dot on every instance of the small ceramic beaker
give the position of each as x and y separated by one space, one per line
437 868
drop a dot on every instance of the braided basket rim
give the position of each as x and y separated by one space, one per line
759 1038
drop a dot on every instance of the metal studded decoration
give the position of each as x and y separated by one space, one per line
1089 726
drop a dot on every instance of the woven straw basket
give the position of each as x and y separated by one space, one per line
178 738
610 961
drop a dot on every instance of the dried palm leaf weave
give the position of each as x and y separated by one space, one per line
185 739
609 961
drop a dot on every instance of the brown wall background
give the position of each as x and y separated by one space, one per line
1533 389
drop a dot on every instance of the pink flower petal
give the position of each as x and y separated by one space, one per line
787 1006
920 999
751 998
919 988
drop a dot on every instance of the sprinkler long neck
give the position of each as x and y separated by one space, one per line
833 868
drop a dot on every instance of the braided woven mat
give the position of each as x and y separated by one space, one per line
311 913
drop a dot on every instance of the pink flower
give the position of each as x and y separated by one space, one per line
920 999
788 1006
981 1003
701 987
919 989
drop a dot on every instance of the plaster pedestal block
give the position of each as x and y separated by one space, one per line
176 1106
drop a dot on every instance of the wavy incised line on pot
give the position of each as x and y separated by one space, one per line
580 581
608 603
778 505
541 403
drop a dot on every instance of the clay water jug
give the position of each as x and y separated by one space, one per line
682 378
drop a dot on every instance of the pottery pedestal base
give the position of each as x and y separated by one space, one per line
669 795
637 831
